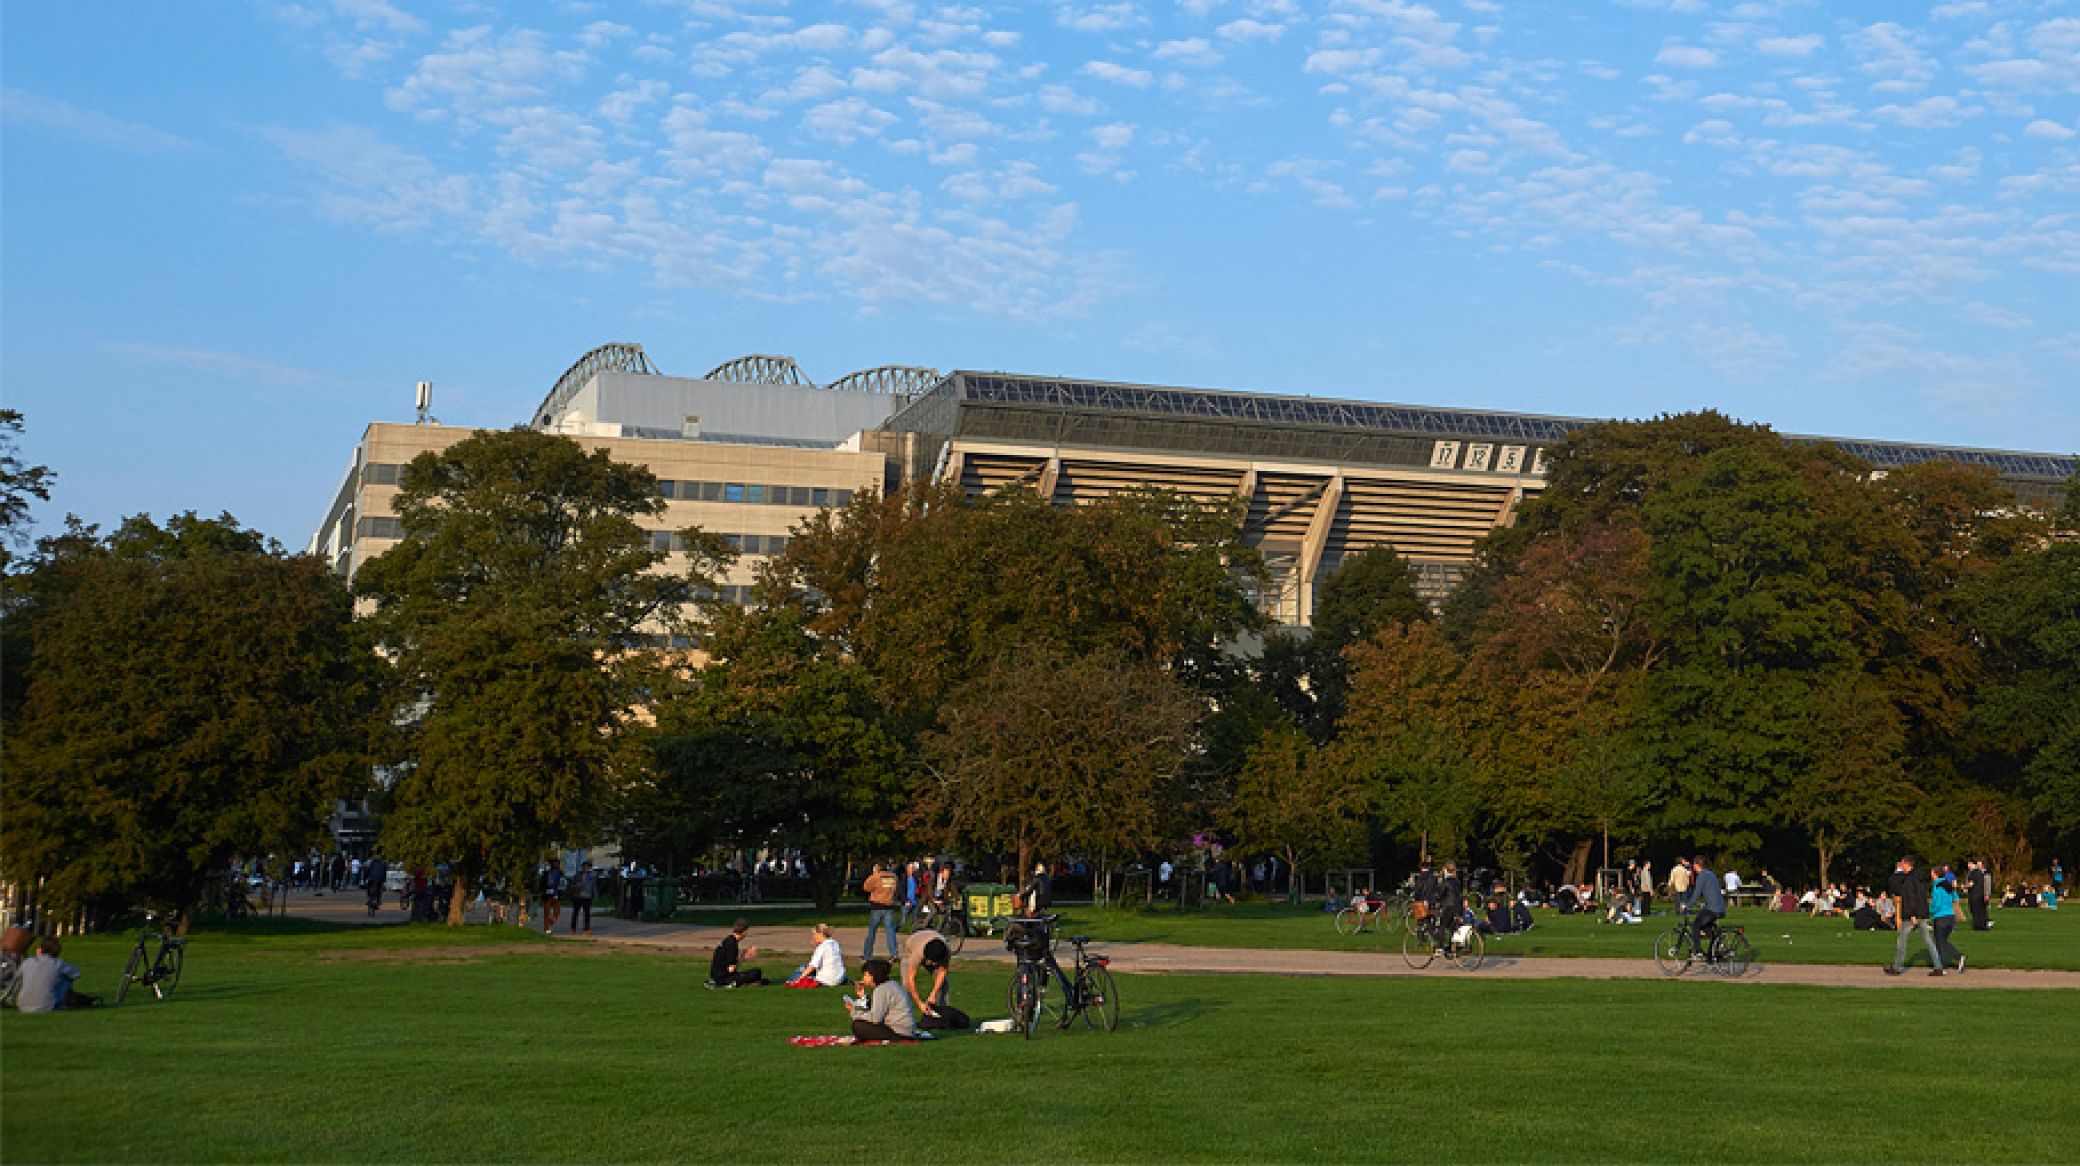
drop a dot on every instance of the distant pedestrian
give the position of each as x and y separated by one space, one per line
584 887
1978 883
1910 893
551 886
1942 915
1679 884
2058 879
881 888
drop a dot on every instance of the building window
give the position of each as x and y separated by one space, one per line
379 528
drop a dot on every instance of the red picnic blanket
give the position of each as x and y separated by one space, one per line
841 1040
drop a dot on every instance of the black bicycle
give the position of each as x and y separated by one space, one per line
161 970
1729 953
1089 993
945 918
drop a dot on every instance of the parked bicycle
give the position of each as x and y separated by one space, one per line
158 970
1089 993
945 918
1381 914
1429 940
1729 953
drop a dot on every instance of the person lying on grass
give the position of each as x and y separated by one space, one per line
726 970
882 1010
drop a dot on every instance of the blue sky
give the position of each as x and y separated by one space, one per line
233 234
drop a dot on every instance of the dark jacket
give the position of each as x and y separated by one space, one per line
1910 890
725 962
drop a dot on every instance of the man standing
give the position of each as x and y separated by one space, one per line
1978 891
1910 892
552 895
1708 899
584 886
1679 883
881 889
1646 887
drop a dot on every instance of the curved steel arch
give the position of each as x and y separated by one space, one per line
617 356
899 380
759 369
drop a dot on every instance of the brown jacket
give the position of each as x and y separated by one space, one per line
881 888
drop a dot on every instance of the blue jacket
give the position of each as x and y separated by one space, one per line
1942 898
1705 891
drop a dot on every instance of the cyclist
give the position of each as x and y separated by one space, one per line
1708 899
1447 903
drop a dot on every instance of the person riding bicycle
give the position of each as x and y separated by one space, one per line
1708 899
374 877
1447 903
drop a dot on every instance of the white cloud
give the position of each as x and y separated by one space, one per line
478 72
373 182
1930 113
1117 74
29 109
1247 31
1790 46
1013 182
1100 18
2051 130
214 363
1113 137
1687 57
1193 51
1062 99
846 120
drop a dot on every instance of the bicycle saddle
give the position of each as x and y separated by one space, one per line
1079 940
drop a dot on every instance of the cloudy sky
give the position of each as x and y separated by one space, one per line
233 234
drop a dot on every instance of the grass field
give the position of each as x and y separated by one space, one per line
2019 939
306 1043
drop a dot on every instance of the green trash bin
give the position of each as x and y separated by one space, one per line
660 898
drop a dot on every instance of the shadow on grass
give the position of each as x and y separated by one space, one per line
1167 1015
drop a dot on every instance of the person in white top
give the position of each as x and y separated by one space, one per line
826 966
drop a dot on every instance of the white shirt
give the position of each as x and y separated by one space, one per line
827 963
1732 881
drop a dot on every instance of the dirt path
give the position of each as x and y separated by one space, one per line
696 941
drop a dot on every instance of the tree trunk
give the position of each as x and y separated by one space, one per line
1825 854
824 888
457 897
1294 887
1606 845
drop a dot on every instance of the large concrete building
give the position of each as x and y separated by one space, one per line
754 447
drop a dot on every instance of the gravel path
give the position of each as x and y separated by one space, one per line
697 941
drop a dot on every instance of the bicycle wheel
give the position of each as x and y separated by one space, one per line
1735 954
1100 998
131 971
1469 954
1417 950
166 975
1404 920
1349 921
1025 1001
1672 952
955 929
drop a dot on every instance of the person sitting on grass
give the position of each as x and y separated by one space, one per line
826 966
927 950
1622 910
726 970
46 981
882 1010
2048 897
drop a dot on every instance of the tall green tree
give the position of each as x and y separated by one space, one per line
191 694
1369 589
926 588
1051 754
776 743
1742 599
19 482
1287 802
516 612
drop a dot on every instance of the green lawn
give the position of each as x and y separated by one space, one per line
421 1044
2019 939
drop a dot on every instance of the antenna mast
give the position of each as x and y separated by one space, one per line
424 400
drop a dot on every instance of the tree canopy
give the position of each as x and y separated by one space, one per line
191 694
516 613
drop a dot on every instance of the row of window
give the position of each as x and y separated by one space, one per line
752 493
662 540
746 544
